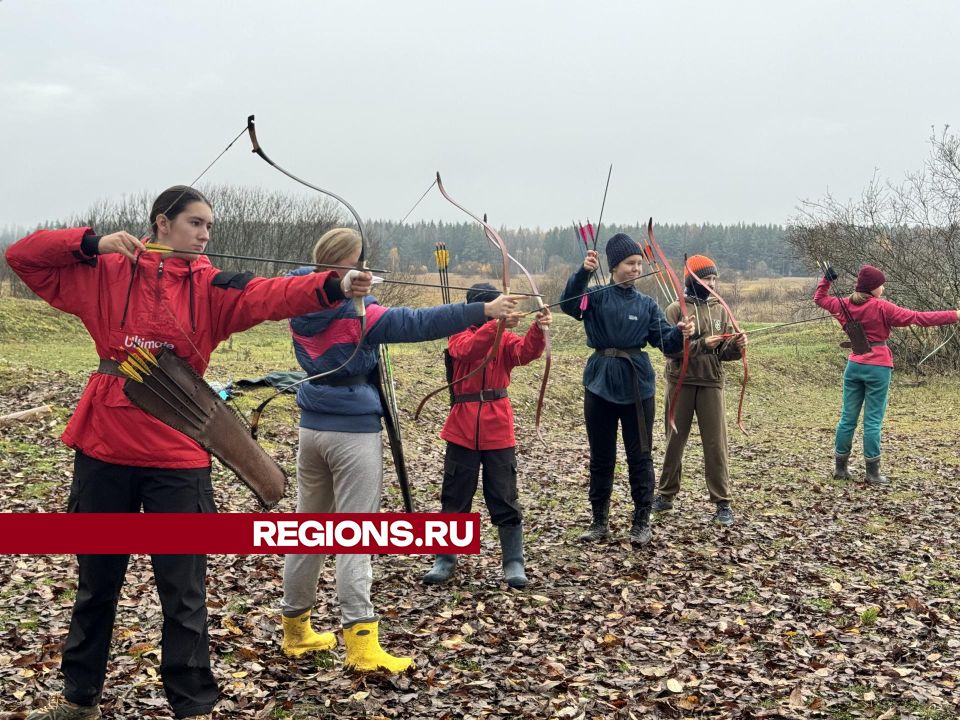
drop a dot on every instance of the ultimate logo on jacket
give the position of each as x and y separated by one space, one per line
150 344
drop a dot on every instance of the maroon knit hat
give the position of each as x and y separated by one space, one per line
869 279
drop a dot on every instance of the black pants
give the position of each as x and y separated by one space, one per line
181 582
461 469
602 418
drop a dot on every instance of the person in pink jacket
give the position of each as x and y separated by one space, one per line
866 379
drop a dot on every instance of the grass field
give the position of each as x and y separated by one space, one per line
826 599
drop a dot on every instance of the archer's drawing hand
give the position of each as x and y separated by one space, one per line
356 283
592 262
120 242
714 341
502 307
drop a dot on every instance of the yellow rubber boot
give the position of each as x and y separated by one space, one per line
299 637
365 654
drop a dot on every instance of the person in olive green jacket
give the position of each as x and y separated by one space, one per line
702 392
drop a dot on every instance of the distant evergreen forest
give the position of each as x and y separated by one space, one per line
754 250
751 249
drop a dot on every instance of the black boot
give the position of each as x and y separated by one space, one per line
840 471
873 472
442 570
599 529
640 532
511 545
662 503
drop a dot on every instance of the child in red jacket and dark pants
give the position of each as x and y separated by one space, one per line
479 432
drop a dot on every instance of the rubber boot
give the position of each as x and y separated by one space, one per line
511 545
442 570
299 637
873 472
640 532
840 471
61 709
599 529
364 653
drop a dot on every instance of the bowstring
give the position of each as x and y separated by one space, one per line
160 294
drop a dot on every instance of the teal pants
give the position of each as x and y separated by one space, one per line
866 387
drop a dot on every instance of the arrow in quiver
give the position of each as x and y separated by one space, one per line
166 387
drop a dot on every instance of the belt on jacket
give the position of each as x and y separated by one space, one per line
342 381
110 367
637 400
848 344
482 396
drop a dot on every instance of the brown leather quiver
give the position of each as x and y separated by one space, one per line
858 337
178 396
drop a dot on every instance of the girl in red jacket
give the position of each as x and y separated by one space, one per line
479 431
126 459
866 380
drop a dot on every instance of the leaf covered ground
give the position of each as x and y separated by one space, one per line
826 599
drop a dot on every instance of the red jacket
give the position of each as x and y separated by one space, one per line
878 316
487 425
106 425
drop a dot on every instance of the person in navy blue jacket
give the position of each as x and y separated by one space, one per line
619 380
340 461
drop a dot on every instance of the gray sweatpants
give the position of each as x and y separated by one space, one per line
337 472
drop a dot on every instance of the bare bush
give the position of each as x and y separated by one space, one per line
909 230
248 221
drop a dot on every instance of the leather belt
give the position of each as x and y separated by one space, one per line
482 396
342 381
848 344
625 353
110 367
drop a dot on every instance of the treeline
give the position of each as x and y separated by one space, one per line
252 221
751 249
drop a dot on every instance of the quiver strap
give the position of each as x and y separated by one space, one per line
176 395
858 337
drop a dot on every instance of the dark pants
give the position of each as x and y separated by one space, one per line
461 469
100 487
602 418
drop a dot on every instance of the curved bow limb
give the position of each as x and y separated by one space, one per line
736 326
678 287
506 291
545 331
358 302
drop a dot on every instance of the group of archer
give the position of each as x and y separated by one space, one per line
180 300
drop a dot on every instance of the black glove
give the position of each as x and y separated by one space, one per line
828 272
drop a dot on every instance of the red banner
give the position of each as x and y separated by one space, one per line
239 533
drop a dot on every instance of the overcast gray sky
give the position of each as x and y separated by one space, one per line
709 111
